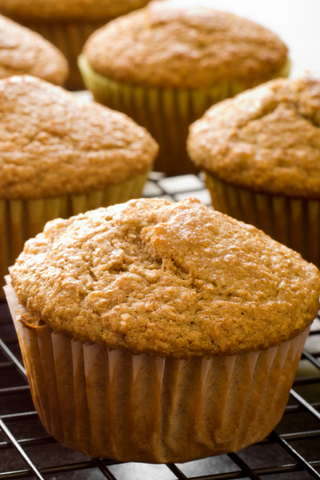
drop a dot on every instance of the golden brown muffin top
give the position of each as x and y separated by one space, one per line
65 10
175 279
52 144
23 51
168 45
267 138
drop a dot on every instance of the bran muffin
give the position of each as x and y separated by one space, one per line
166 64
261 155
158 331
25 52
67 23
60 157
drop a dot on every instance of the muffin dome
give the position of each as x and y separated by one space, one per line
67 23
166 279
25 52
53 144
170 46
266 139
69 9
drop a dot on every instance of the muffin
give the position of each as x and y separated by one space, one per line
166 64
25 52
158 331
261 155
60 157
67 23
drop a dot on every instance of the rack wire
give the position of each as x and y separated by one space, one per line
291 451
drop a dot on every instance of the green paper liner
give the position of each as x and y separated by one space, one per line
165 113
295 222
143 408
23 219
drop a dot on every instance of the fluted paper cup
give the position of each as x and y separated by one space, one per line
165 113
143 408
293 221
23 219
69 37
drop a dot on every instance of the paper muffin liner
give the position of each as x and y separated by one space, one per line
69 38
295 222
165 113
23 219
111 403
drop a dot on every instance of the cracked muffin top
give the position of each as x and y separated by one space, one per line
53 144
163 278
171 46
25 52
267 138
68 9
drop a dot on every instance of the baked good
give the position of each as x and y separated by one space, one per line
67 23
60 157
166 64
177 329
25 52
261 155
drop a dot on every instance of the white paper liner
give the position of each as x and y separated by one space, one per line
111 403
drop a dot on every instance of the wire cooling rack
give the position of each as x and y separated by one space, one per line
291 452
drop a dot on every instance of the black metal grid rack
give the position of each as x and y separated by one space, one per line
292 451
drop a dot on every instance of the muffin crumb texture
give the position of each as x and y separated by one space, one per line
25 52
163 278
52 144
170 46
267 138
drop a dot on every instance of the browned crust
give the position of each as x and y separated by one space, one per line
67 10
25 52
267 139
53 144
167 46
166 279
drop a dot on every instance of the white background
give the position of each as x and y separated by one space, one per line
297 22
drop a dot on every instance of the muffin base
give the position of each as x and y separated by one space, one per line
165 113
295 222
23 219
143 408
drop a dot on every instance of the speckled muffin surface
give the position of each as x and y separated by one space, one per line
166 279
68 9
267 138
166 45
53 144
25 52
